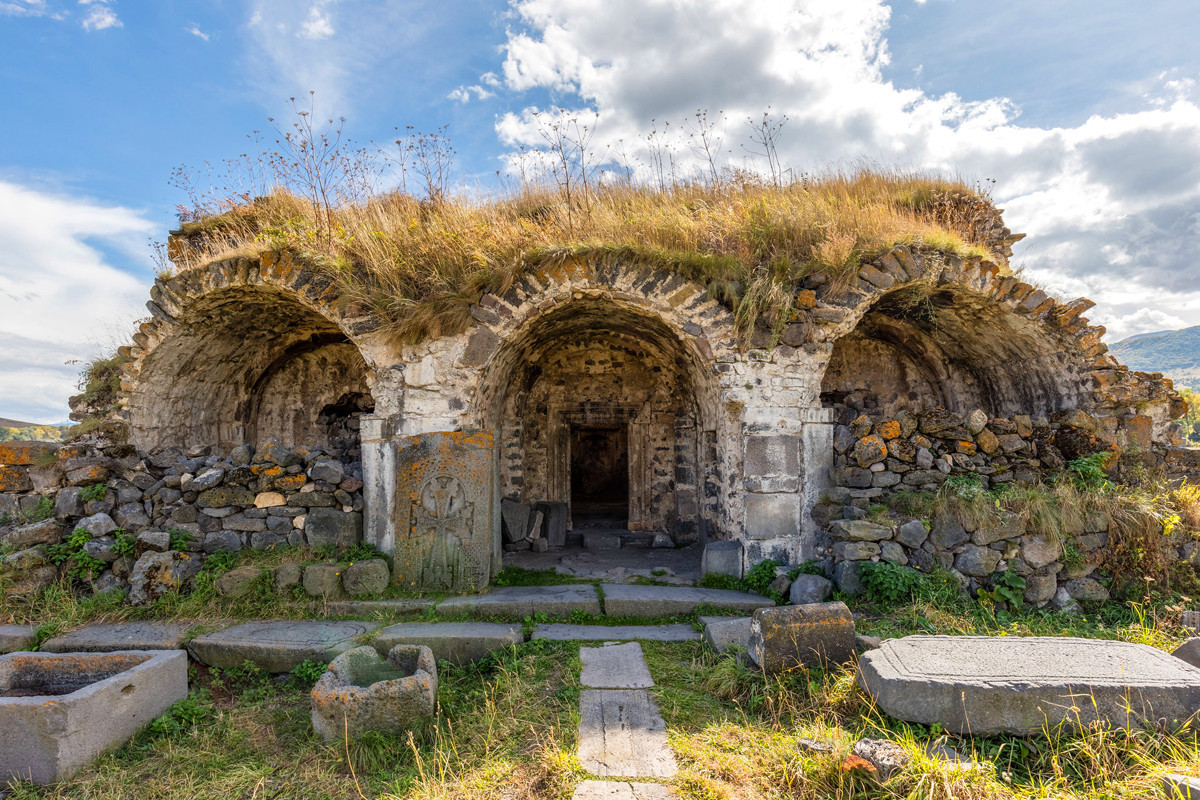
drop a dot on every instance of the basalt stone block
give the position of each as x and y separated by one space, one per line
728 634
369 577
456 642
816 634
859 531
980 685
443 512
323 580
47 531
155 574
333 526
58 712
16 637
362 692
555 516
722 558
772 516
514 518
807 589
111 637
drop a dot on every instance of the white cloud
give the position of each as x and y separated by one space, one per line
319 24
326 47
100 16
463 93
1111 206
24 8
60 297
194 30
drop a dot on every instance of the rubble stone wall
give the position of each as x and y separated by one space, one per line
191 504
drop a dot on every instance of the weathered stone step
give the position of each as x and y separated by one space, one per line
456 642
621 734
668 601
525 601
985 685
615 633
405 605
16 637
107 638
278 646
621 790
614 666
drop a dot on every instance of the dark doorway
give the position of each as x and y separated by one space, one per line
599 476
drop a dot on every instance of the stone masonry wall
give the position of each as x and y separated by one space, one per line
177 507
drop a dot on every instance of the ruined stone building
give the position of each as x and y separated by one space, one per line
616 394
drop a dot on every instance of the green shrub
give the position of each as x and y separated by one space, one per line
1089 471
889 583
759 578
718 580
93 493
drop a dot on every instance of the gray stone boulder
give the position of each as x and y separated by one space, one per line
817 634
977 561
1087 590
155 574
331 526
847 578
97 524
912 533
207 479
858 530
327 470
48 531
288 576
369 577
1189 651
237 582
222 541
361 692
323 580
808 589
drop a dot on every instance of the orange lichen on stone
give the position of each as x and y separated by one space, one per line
24 454
888 430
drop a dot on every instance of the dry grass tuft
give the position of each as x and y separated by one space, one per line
419 265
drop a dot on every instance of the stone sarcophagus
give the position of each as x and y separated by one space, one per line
444 511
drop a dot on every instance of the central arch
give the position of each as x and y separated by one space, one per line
599 404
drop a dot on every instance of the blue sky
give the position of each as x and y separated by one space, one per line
1086 114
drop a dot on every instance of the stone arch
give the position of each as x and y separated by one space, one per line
242 350
585 347
930 331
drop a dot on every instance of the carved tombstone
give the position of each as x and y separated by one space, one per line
444 536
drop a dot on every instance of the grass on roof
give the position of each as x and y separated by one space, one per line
420 265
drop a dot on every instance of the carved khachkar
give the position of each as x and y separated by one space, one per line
444 511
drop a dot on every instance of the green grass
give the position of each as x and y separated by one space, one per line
507 728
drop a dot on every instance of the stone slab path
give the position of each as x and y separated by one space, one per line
278 646
405 605
665 601
615 667
106 638
456 642
619 790
616 633
15 637
525 601
984 685
621 733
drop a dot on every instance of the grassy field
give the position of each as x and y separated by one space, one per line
506 729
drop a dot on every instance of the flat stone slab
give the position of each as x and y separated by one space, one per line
987 685
621 734
669 601
456 642
616 633
525 601
16 637
615 666
620 790
60 711
278 646
724 634
106 638
366 607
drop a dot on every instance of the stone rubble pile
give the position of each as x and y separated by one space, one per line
176 507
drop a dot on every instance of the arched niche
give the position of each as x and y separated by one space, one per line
919 347
247 363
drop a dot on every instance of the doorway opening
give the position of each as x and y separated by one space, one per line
599 476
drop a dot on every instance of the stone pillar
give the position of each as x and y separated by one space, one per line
379 481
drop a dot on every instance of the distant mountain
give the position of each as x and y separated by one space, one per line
12 423
1175 354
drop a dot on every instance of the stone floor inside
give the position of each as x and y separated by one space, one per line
634 558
